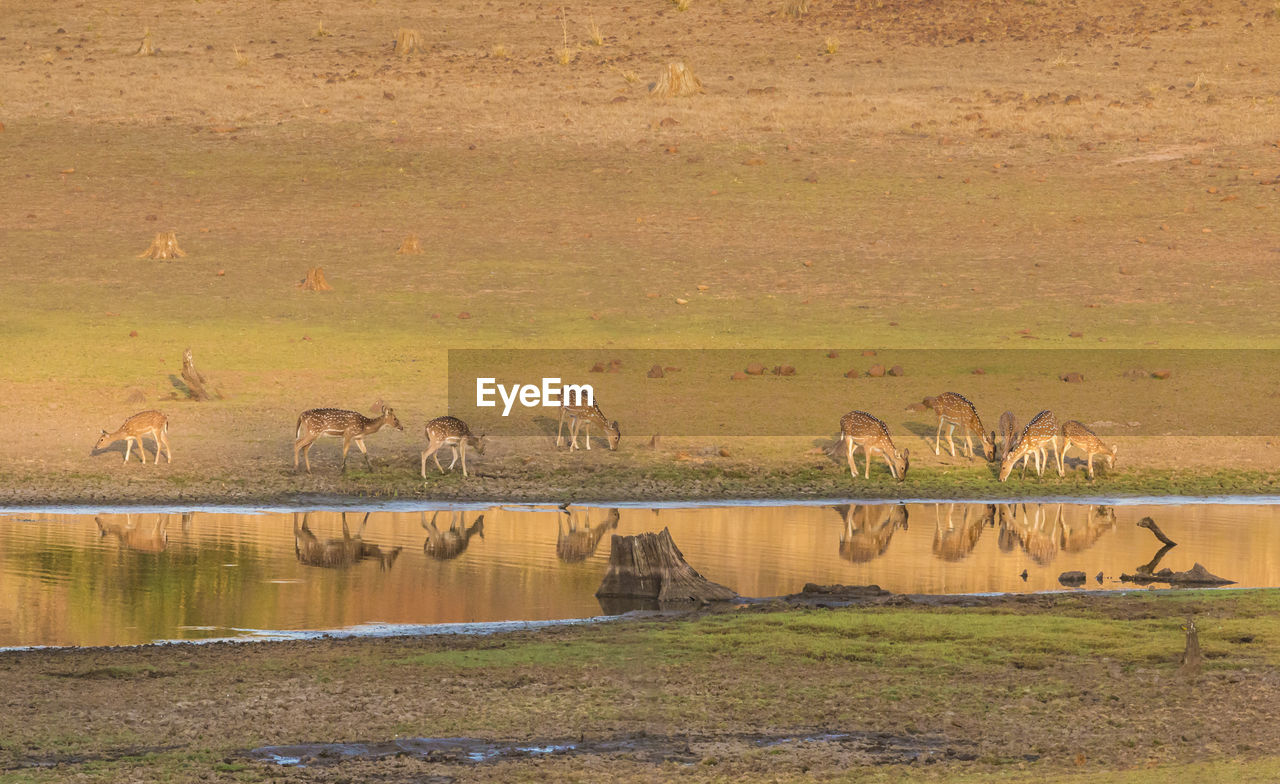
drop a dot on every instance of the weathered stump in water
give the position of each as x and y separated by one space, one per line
650 566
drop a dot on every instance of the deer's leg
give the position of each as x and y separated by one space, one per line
1091 465
168 453
848 455
462 447
364 451
937 440
430 451
574 424
1061 456
560 430
951 444
586 432
454 449
968 442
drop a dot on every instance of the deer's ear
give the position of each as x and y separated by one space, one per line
378 407
104 432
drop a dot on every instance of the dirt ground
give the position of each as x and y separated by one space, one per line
865 174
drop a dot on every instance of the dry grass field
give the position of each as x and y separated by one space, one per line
880 174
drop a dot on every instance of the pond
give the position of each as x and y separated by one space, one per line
125 577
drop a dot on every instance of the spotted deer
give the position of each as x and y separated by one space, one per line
153 539
351 425
1076 434
1008 437
585 416
955 410
145 423
1040 434
868 529
451 542
952 542
577 539
453 433
860 429
338 553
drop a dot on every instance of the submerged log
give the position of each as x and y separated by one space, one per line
650 566
1196 575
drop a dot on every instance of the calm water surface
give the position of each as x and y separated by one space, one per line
84 579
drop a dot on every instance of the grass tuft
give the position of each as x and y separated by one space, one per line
831 44
593 33
321 32
677 80
500 52
408 41
146 48
795 8
242 59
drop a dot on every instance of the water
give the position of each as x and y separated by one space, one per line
126 578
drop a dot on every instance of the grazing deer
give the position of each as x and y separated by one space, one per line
953 544
578 541
450 543
144 540
337 553
1008 437
1040 434
864 541
584 416
352 426
144 423
454 433
955 410
1076 434
1098 520
860 429
1033 531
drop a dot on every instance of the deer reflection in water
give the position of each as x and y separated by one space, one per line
868 529
337 553
954 542
1048 528
451 542
142 539
577 539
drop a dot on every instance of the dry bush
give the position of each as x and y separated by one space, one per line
681 5
500 52
593 33
164 246
565 55
410 245
677 80
795 8
242 59
314 281
831 44
320 31
408 41
146 48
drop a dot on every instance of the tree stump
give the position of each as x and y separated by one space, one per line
650 566
315 281
194 379
164 246
1191 657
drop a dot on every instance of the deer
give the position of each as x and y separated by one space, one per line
953 544
454 433
144 423
337 553
351 425
1033 531
1008 437
1041 433
577 541
868 540
1097 521
955 410
144 540
860 429
1076 434
584 416
450 543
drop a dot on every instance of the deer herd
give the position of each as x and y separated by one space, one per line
1043 440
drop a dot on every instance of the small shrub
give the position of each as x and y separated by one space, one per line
677 80
408 41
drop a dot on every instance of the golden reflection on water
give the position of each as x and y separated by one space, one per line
138 577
